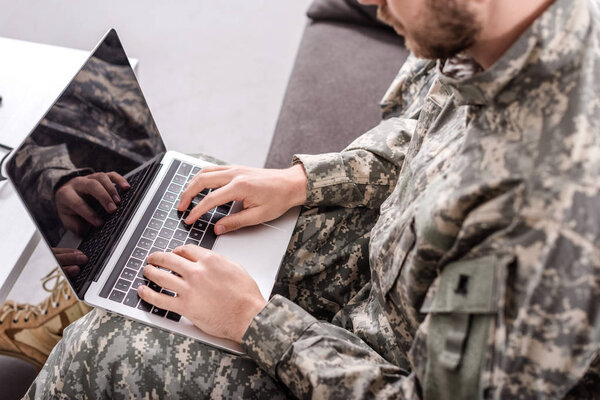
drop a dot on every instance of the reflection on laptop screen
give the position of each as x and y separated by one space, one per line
97 135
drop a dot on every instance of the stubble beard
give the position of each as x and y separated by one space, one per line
445 29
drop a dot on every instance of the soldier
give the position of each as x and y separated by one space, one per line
452 252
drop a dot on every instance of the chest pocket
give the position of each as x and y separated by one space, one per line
461 310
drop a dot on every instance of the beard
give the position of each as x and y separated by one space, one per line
444 30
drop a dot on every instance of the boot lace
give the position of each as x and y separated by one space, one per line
59 290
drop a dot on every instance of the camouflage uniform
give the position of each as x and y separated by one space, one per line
484 262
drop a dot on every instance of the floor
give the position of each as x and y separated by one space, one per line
209 70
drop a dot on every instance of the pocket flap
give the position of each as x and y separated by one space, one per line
468 286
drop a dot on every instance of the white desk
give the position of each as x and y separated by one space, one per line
31 77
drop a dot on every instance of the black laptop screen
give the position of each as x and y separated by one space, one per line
79 156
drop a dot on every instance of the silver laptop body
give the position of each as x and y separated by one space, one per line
101 123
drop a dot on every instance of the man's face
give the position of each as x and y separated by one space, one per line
431 28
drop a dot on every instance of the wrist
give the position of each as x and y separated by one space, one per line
252 310
298 180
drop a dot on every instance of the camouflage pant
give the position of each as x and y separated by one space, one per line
104 355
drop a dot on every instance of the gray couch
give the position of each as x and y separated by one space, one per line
344 65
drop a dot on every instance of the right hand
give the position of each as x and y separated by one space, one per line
70 260
266 194
74 211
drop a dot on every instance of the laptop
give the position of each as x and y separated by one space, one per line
101 126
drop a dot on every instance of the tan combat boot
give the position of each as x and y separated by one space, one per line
30 332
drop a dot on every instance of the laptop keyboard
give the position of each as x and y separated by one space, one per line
165 231
96 240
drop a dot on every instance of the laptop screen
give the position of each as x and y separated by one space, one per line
73 171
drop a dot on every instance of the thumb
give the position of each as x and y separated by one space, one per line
233 222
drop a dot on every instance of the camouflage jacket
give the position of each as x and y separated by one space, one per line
485 260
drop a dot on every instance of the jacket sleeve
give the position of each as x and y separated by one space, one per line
319 360
363 174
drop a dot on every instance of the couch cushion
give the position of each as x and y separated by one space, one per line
341 73
16 377
348 11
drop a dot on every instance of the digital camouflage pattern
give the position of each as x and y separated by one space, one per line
483 273
486 257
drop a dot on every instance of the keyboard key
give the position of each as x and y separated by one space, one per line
206 217
175 188
224 209
184 226
201 225
173 316
165 205
159 311
179 179
168 292
134 264
196 234
171 223
175 243
209 238
185 169
154 250
166 233
161 243
196 170
128 274
122 285
175 214
150 233
160 215
216 217
144 306
155 224
205 192
139 282
170 197
132 299
139 253
180 235
192 241
154 287
140 273
198 198
145 243
117 296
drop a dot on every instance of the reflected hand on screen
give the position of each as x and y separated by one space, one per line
70 260
75 212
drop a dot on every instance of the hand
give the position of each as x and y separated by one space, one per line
74 211
70 260
266 194
217 295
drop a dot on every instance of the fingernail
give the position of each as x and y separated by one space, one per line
112 207
81 258
116 198
219 229
140 289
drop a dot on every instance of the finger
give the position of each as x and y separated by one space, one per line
97 190
71 270
247 217
80 207
210 201
159 300
119 180
163 278
191 252
109 186
73 258
171 261
200 182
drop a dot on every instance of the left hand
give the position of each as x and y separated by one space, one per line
217 295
